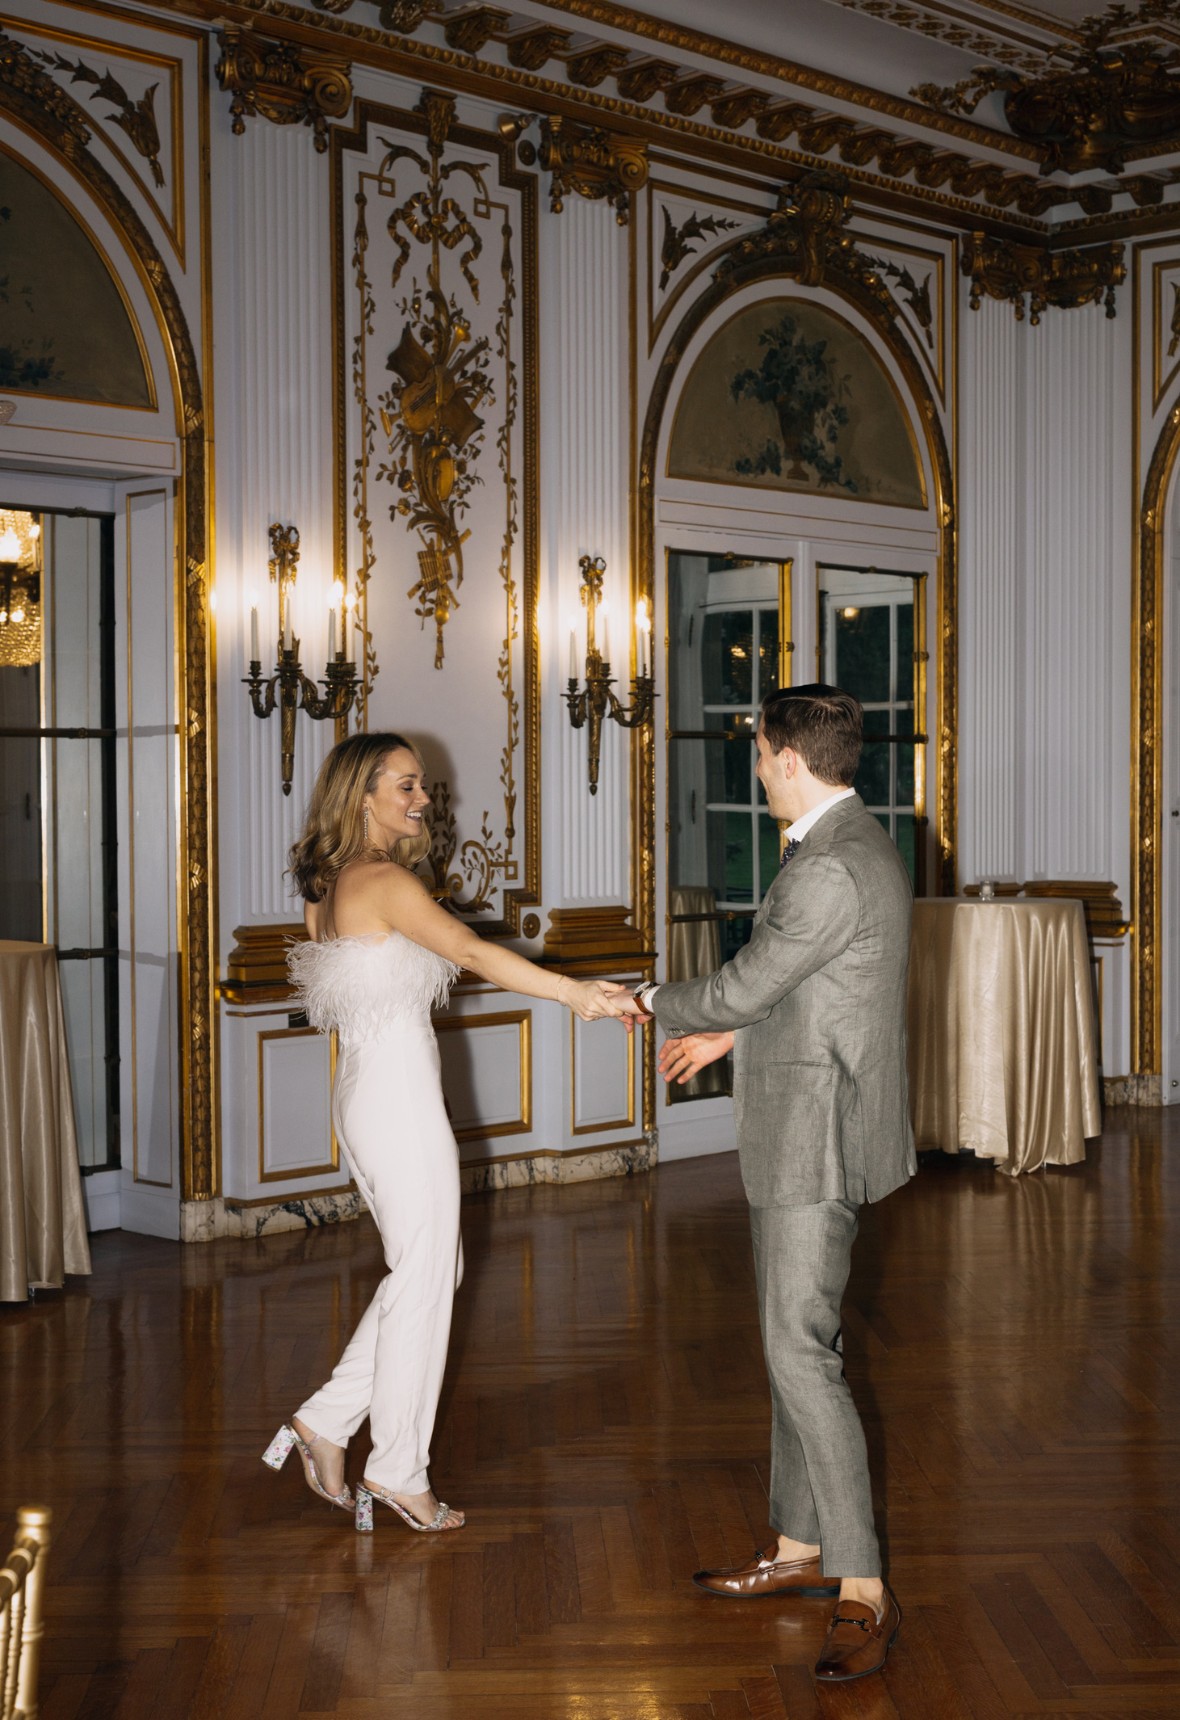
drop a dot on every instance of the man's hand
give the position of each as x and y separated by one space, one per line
681 1059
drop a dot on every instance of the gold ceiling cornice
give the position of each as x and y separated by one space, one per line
952 184
677 36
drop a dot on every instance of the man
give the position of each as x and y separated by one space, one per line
814 1009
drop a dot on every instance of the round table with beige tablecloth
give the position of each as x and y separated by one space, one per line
1001 1031
42 1215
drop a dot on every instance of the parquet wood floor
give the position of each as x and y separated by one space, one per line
1013 1346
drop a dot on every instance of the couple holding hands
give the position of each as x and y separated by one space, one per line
814 1010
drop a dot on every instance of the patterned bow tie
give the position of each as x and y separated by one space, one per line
789 853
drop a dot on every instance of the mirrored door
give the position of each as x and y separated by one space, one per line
729 623
872 643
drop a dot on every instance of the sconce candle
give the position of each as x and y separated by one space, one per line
573 655
295 690
597 700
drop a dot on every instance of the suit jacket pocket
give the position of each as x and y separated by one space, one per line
790 1119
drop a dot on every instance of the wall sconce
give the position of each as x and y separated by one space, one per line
596 700
20 589
295 691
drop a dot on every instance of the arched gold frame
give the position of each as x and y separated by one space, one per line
1147 694
848 287
39 106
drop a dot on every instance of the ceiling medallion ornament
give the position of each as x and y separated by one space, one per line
1061 279
807 238
1110 95
283 83
599 165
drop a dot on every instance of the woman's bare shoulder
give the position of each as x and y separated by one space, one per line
373 888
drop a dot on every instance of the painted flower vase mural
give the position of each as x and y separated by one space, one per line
787 395
799 379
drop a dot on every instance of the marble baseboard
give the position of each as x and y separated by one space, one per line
624 1161
1133 1090
207 1220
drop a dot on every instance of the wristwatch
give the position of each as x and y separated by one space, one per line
643 994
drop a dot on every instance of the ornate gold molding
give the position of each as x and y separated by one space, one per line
476 864
33 98
135 119
806 237
278 81
1004 270
920 172
592 934
1112 94
1147 684
587 160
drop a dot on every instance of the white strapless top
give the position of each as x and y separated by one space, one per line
362 986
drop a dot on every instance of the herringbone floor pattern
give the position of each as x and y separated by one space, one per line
1013 1346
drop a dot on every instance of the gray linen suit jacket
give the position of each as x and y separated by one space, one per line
817 1002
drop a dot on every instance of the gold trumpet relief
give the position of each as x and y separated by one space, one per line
443 385
429 413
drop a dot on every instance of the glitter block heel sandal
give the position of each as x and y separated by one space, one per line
366 1493
287 1440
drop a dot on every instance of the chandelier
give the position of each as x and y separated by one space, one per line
20 589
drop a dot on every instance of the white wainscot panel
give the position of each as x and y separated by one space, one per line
602 1061
487 1073
295 1136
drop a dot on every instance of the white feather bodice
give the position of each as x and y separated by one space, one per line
362 986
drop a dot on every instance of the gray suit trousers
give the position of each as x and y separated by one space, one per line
819 1474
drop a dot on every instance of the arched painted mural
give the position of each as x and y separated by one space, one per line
65 330
788 396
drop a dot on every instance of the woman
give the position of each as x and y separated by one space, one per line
382 953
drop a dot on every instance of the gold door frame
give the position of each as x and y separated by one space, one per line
765 271
35 103
1147 779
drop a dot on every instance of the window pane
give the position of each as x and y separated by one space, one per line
903 720
905 774
769 848
862 651
872 779
730 763
731 855
905 651
768 677
877 723
727 658
735 935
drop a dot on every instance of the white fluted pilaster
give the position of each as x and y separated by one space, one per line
273 408
584 416
1079 556
991 595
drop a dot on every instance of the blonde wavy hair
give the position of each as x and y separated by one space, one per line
334 830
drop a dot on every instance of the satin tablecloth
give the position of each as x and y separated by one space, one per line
1001 1031
42 1215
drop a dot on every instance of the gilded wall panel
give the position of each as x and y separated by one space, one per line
135 85
436 366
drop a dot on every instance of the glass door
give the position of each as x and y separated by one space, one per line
871 643
58 878
729 645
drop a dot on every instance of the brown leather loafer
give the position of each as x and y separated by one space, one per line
767 1574
857 1641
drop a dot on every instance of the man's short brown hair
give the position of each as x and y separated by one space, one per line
822 724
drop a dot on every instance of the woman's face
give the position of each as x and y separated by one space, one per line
396 804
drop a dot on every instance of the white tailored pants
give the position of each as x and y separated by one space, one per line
389 1116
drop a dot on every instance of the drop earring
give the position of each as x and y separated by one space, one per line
366 827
